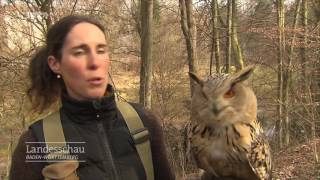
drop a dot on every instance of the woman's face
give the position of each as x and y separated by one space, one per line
84 63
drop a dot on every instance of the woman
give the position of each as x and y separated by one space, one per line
73 66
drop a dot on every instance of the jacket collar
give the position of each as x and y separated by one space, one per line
90 111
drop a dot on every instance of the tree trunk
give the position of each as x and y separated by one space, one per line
146 52
308 70
229 37
215 51
316 80
136 9
10 152
235 42
281 49
316 106
287 77
46 6
189 31
303 49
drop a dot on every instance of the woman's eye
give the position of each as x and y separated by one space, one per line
229 94
78 53
101 51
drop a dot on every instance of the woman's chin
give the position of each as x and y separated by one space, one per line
88 94
97 94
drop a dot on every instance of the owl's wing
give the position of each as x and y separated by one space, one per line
186 142
260 157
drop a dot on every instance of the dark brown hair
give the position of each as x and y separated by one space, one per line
45 87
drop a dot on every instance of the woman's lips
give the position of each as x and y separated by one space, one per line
95 81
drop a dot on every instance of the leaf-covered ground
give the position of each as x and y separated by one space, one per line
297 162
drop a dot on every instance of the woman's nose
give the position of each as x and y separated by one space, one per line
93 60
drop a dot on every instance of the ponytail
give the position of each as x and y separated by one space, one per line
45 87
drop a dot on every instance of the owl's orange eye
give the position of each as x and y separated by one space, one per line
229 94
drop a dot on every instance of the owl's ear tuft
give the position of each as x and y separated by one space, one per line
195 78
244 74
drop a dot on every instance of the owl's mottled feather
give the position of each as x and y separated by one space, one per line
224 137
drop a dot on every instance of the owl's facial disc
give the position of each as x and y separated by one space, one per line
219 104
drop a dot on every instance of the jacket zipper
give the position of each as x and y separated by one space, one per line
109 162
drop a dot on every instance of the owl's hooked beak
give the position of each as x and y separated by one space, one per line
214 109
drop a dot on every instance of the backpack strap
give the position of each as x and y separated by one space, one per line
54 136
140 135
59 166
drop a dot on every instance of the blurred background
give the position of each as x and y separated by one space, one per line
153 45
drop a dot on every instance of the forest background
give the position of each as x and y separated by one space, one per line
155 43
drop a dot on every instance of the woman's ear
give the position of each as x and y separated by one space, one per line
54 64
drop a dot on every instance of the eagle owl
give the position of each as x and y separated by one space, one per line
224 136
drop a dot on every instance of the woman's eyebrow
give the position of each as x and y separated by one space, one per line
81 46
102 45
84 46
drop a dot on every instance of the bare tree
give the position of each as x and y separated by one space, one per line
235 42
146 52
308 73
229 37
287 76
215 49
303 49
281 50
189 31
